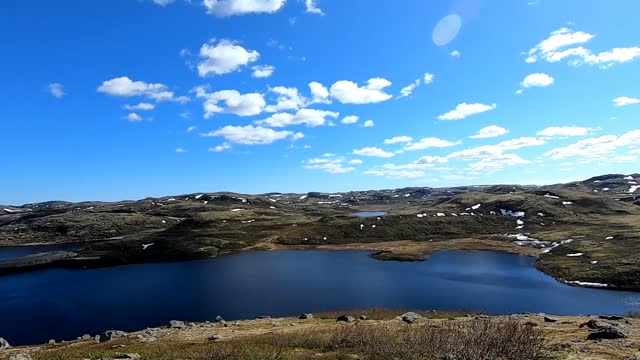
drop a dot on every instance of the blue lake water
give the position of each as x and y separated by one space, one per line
19 251
370 213
63 304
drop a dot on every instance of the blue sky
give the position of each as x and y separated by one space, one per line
124 99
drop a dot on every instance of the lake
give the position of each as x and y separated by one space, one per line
63 304
369 213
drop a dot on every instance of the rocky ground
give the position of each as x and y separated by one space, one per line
585 233
368 334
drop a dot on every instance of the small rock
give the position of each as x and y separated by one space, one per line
176 324
549 319
192 324
409 317
226 325
112 334
597 325
96 338
132 356
85 337
21 356
362 317
219 319
52 342
264 317
119 346
4 344
612 318
345 318
306 316
610 333
214 337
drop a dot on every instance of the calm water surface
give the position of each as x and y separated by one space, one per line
19 251
63 304
370 213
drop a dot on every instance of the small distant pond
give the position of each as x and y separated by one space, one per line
62 304
19 251
369 213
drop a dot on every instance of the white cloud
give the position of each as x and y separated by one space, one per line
312 7
489 132
56 90
133 117
398 139
429 142
319 93
463 110
392 173
537 80
331 165
493 157
252 135
561 44
143 106
368 123
348 92
180 150
625 100
191 128
355 162
497 161
373 151
125 87
288 99
163 2
564 131
456 54
432 160
262 71
596 147
224 57
309 117
221 148
351 119
408 90
242 7
428 78
234 103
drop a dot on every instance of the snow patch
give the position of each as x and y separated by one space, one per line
506 212
567 203
476 207
547 195
575 254
634 188
234 210
303 197
585 283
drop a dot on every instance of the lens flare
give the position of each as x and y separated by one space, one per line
447 29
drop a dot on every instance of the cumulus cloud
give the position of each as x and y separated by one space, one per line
429 142
319 93
355 162
537 80
143 106
288 98
564 131
495 157
489 132
373 151
392 173
133 117
125 87
497 161
625 100
351 119
567 44
56 90
220 148
408 90
252 135
232 102
368 123
309 117
348 92
596 147
428 78
163 2
463 110
312 7
262 71
329 164
456 54
223 57
180 150
432 160
398 139
223 8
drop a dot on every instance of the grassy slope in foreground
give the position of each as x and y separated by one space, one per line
381 336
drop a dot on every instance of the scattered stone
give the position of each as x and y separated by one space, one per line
96 338
409 317
85 337
609 333
612 318
597 325
345 318
4 344
362 317
52 342
192 324
119 346
132 356
549 319
225 324
219 319
176 324
214 337
112 334
306 316
530 323
263 317
20 356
